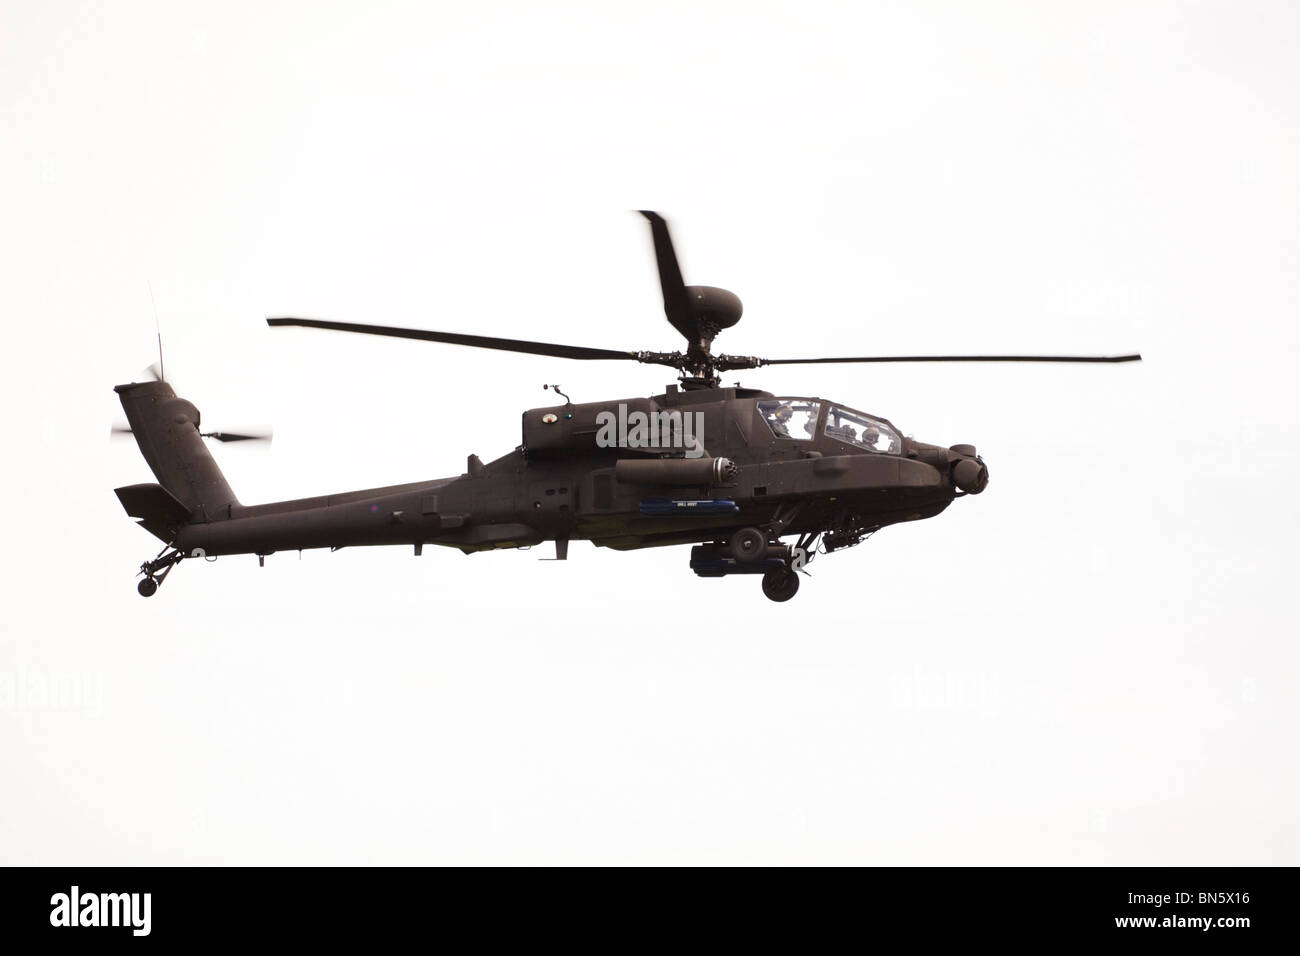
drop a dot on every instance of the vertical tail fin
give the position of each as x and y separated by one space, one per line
167 430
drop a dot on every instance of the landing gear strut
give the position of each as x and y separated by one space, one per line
156 571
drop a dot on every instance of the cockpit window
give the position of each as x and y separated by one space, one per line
791 417
862 431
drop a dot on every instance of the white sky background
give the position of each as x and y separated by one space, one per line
1094 662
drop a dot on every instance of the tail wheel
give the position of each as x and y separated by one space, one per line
780 584
147 587
748 545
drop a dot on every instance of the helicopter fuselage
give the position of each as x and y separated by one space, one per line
565 482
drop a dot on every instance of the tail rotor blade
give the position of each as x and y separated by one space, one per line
238 436
216 436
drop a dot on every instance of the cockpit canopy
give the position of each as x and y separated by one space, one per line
791 417
862 431
797 418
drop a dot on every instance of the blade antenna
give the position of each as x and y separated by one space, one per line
157 328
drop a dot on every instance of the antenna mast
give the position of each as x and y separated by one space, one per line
157 328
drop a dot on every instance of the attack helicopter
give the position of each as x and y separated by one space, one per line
730 471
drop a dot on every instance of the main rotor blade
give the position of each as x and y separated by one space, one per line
456 338
677 302
955 358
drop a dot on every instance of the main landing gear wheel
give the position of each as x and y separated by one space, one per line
748 545
780 584
147 587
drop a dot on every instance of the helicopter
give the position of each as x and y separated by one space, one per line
730 471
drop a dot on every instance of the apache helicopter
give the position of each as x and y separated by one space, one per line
728 470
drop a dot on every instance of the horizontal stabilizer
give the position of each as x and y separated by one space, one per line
158 510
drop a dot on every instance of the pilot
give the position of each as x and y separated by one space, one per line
779 420
870 436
